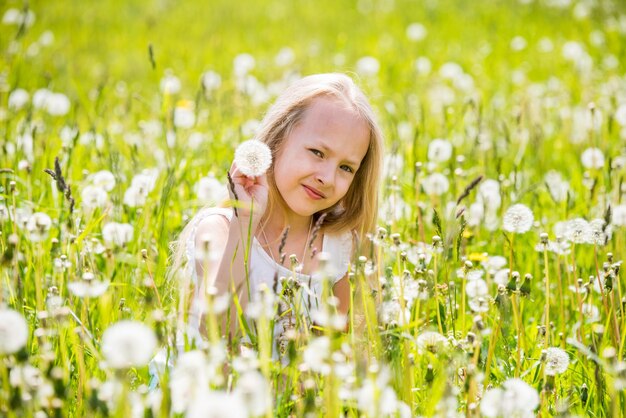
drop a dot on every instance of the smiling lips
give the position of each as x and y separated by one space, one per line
313 193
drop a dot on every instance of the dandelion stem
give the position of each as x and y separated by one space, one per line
547 279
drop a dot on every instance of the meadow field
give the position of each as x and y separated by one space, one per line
491 288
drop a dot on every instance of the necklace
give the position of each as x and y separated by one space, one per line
304 251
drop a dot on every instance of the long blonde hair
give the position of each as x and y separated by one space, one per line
357 210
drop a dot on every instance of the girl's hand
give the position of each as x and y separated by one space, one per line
251 193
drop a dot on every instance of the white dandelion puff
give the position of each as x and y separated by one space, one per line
18 99
88 287
436 184
515 398
316 355
170 84
439 150
57 104
476 288
189 378
592 158
128 344
216 404
367 66
253 158
600 233
210 190
104 179
243 64
518 219
619 215
416 32
211 81
253 391
578 231
117 233
184 116
38 226
556 361
13 331
431 341
93 197
135 196
557 186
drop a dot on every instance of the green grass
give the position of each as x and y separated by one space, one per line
527 104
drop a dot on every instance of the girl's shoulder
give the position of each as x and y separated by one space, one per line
212 223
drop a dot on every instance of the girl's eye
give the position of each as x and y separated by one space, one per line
317 152
347 169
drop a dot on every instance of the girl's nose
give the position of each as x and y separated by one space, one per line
325 176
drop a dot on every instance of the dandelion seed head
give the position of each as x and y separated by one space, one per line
431 341
316 355
135 196
391 313
416 32
18 99
253 158
104 179
184 115
436 184
189 378
478 304
557 186
216 404
118 234
618 217
518 219
88 288
367 66
439 150
93 197
242 64
211 81
556 361
592 158
13 331
253 391
38 226
515 398
170 84
578 231
128 344
476 288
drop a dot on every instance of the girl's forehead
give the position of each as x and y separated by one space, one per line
324 113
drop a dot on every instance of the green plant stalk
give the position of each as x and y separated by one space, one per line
490 351
435 272
547 311
561 305
609 314
516 319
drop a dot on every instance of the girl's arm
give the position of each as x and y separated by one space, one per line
224 270
341 290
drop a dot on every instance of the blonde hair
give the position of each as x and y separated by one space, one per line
357 210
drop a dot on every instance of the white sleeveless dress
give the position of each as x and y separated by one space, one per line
263 270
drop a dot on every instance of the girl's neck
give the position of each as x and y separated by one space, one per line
298 225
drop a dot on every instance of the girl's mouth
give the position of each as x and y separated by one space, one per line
313 193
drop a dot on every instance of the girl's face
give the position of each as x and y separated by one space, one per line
320 157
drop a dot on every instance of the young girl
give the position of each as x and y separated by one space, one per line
322 185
